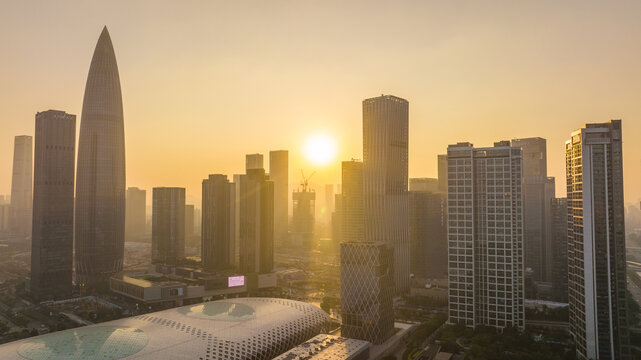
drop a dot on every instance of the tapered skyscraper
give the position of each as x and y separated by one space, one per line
100 183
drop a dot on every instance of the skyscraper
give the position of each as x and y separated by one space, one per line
168 225
485 235
279 174
596 242
303 216
189 220
329 202
428 230
253 161
100 182
52 241
352 223
538 192
367 289
218 223
559 216
442 173
385 161
136 213
256 228
21 187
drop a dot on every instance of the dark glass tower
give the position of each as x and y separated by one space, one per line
100 183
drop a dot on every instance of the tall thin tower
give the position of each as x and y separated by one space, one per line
385 196
21 189
100 183
279 174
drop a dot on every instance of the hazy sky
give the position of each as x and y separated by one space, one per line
205 82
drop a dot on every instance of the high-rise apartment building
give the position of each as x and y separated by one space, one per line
100 182
485 235
428 230
559 217
385 167
52 236
136 213
596 242
279 174
367 289
218 231
538 192
256 228
352 223
168 225
189 220
21 186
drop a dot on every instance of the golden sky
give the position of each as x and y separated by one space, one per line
205 82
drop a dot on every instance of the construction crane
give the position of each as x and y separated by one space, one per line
305 182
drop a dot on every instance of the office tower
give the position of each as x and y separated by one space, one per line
21 187
168 225
538 192
367 289
253 161
52 236
424 184
279 174
303 215
559 222
485 235
596 242
256 222
329 201
237 180
428 234
385 209
218 223
442 173
136 213
352 223
100 182
189 221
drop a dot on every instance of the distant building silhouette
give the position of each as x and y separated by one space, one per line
329 202
352 223
485 235
428 234
559 216
168 225
367 289
596 242
538 192
279 174
136 213
424 184
442 173
218 234
385 162
52 243
303 216
337 222
100 182
189 220
21 186
253 161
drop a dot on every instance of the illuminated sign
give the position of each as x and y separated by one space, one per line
234 281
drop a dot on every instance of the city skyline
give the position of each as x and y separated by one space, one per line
542 103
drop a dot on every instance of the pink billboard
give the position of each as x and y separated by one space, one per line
233 281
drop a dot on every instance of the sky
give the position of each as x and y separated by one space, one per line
206 82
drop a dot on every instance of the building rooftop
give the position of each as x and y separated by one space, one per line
327 347
246 328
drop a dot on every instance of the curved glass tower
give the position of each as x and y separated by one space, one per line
100 183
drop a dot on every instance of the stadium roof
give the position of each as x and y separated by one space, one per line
246 328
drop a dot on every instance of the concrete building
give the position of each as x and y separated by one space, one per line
218 234
352 222
168 225
428 234
246 328
596 242
367 289
424 184
559 217
136 213
538 192
189 220
100 182
256 222
279 174
485 235
253 161
385 167
21 186
52 241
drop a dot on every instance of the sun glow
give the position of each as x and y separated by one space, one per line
320 149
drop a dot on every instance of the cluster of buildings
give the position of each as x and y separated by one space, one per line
490 224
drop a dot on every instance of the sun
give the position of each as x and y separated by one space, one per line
320 149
